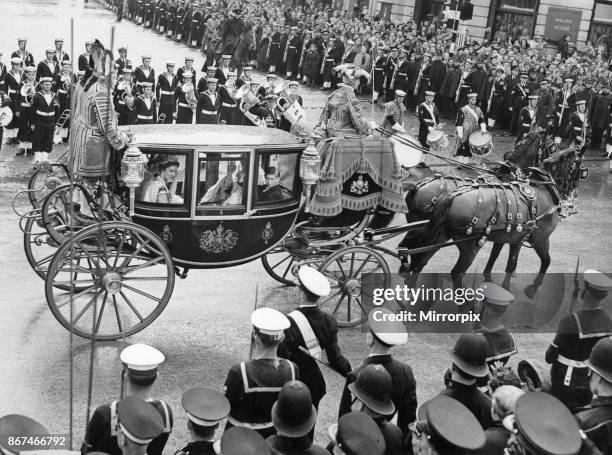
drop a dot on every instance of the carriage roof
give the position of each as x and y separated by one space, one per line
210 135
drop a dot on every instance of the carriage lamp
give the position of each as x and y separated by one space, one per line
310 169
132 171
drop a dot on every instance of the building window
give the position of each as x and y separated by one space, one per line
600 33
513 19
385 11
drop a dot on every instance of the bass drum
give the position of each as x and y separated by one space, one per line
407 149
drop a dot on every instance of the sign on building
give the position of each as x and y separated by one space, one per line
562 21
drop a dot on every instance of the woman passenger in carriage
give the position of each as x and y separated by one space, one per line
161 187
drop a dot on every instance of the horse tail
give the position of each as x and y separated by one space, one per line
435 228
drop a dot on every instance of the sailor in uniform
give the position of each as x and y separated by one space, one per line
383 335
596 418
165 88
378 76
184 110
563 104
228 111
429 119
208 104
136 425
577 127
527 118
59 54
24 135
202 83
205 409
188 67
123 99
84 58
12 82
500 341
48 67
144 73
446 426
245 77
390 69
519 99
26 57
43 115
222 71
292 54
577 334
393 118
252 386
315 331
285 124
123 62
145 106
469 118
546 104
140 371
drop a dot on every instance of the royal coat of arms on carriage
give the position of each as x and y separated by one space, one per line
267 233
360 185
218 240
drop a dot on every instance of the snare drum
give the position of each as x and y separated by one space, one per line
481 144
438 141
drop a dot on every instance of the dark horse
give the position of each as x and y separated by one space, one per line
532 150
474 214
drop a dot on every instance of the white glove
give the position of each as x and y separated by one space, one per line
460 132
483 127
373 124
557 140
398 127
430 128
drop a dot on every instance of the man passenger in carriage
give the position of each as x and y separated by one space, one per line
469 118
273 190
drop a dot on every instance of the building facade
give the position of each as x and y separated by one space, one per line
583 20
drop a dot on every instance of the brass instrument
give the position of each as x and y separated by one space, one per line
247 101
59 125
190 95
282 97
28 91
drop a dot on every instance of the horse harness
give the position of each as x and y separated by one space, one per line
443 186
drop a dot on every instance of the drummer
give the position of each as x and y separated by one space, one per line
429 119
469 118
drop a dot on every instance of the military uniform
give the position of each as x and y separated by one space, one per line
577 334
545 107
184 112
121 64
393 119
165 92
47 69
428 119
143 74
519 98
43 115
469 118
498 101
26 56
252 386
228 113
125 111
564 100
24 134
207 110
294 48
527 120
145 110
378 78
12 83
577 128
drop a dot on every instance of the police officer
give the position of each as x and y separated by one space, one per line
208 104
140 371
577 334
252 386
371 393
165 89
314 330
138 424
382 337
205 409
500 341
596 419
294 416
429 119
145 106
18 425
542 425
445 427
356 433
527 118
469 362
43 115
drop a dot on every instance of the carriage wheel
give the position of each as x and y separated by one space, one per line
279 263
40 248
127 276
58 212
344 269
43 182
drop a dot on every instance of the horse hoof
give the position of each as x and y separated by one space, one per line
530 291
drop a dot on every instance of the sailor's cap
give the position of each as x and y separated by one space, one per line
314 281
205 407
142 359
270 322
596 279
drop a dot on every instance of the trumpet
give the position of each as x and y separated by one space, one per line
27 91
59 125
127 95
190 95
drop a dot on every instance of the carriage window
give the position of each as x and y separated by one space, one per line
276 179
222 178
164 180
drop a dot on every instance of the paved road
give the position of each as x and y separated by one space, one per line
205 328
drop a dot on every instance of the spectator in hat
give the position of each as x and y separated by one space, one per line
122 62
205 409
503 402
577 334
312 64
469 362
596 418
599 117
294 417
383 335
138 424
356 433
140 371
371 393
21 426
252 386
314 331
